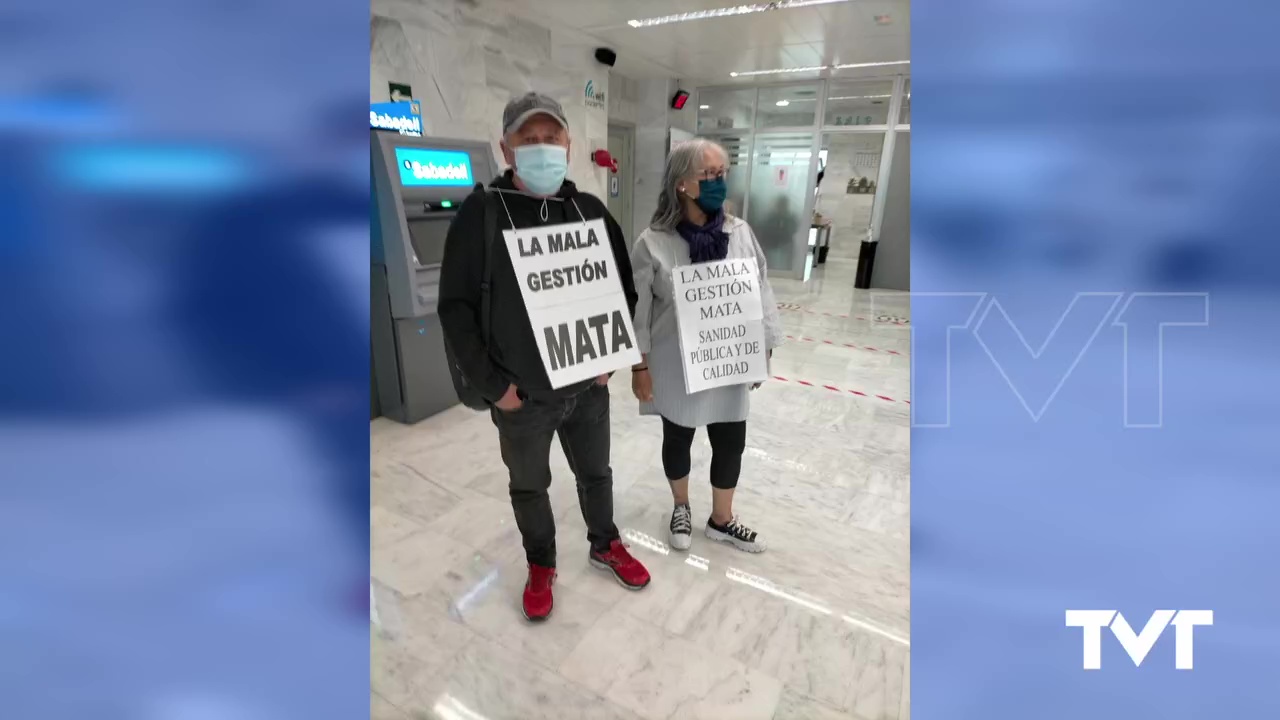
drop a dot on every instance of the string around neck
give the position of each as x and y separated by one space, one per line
507 209
543 213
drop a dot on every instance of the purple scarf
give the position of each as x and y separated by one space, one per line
707 243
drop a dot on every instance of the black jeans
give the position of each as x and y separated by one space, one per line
728 440
582 422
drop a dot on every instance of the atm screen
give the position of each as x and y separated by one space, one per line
428 237
434 168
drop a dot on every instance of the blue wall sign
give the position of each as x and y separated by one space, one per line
403 117
434 168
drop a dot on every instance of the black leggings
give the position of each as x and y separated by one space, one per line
727 442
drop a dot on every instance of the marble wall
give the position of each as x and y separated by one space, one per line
466 58
849 157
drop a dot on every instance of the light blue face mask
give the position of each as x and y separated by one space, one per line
542 167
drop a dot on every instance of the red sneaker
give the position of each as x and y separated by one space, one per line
629 572
537 593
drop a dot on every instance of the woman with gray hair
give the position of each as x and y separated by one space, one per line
690 226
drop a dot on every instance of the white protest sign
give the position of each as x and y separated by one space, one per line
721 323
572 291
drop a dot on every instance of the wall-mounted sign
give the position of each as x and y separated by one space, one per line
434 168
399 93
594 97
403 117
852 120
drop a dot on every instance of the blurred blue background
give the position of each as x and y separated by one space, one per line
1089 147
183 360
183 444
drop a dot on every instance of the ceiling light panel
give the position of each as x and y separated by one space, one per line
748 73
846 66
839 97
729 12
818 68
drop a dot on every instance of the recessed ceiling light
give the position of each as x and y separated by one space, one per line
747 73
728 12
847 97
870 64
818 68
704 107
859 97
783 103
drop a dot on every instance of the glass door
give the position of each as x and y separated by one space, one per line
783 175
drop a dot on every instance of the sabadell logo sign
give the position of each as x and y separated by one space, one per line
402 117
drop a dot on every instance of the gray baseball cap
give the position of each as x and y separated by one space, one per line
526 106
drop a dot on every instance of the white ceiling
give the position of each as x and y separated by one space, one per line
704 52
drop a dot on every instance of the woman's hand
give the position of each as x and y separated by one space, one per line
642 385
768 357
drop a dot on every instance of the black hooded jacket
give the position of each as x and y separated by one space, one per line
511 355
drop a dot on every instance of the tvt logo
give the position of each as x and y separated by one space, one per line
1137 645
1035 359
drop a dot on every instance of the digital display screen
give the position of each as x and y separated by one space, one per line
434 168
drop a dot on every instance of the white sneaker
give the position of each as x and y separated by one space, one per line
737 535
681 527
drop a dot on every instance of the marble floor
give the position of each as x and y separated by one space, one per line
816 627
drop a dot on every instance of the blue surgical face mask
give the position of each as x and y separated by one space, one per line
542 167
711 194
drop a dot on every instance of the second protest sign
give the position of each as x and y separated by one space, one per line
577 309
721 323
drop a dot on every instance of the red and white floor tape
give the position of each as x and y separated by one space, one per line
801 338
835 389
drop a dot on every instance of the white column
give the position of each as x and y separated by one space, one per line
886 158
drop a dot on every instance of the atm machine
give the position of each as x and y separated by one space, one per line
418 183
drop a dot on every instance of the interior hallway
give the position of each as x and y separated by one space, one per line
816 627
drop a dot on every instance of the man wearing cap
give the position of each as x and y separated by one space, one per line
507 368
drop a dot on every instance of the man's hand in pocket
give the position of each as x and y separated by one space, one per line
510 400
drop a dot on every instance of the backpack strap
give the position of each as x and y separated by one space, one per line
486 287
